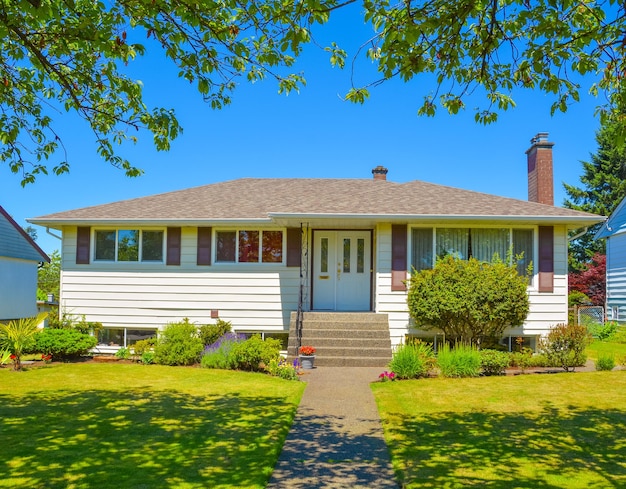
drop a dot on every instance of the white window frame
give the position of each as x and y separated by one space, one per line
249 263
140 251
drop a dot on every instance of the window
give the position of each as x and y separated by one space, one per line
129 245
124 336
249 246
484 244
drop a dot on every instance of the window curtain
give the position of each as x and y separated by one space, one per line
523 245
487 243
422 248
453 242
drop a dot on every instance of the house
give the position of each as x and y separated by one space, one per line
262 253
19 260
614 231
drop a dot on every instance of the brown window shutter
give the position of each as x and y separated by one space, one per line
546 259
173 246
294 247
204 246
83 236
398 256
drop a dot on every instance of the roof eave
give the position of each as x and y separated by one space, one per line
59 223
570 220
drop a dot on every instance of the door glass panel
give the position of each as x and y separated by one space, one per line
346 255
324 256
360 255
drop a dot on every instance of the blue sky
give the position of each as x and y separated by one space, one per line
311 134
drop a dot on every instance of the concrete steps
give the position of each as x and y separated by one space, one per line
344 339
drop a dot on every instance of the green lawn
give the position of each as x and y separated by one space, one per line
618 350
530 431
134 426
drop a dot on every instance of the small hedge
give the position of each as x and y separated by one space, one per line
63 343
234 352
493 362
178 344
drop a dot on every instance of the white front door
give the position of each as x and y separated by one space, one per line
342 270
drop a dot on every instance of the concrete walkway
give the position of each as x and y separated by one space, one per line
336 440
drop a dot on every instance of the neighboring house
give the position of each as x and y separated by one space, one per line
253 251
614 231
19 260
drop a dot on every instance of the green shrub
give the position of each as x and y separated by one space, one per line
147 357
283 369
254 354
605 362
142 346
565 346
493 362
210 333
219 353
522 359
178 344
604 332
462 361
413 360
63 343
123 353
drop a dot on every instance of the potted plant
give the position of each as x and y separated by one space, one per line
307 356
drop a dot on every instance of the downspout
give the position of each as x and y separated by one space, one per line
576 236
52 234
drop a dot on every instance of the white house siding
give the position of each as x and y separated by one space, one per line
18 288
252 297
546 309
616 274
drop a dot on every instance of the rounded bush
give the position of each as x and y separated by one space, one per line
63 343
178 344
493 362
605 362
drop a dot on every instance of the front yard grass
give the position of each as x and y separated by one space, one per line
135 426
598 348
528 431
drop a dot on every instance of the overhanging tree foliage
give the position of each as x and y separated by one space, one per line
468 300
70 55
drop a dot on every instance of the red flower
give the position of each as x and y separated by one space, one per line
307 350
13 357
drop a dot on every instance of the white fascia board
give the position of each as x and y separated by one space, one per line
58 224
570 220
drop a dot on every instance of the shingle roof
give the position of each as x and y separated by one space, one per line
264 198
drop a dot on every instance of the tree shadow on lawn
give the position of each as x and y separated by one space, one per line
551 448
136 439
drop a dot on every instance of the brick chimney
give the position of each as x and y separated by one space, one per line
380 173
540 173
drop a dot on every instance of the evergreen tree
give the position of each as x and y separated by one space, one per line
603 188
